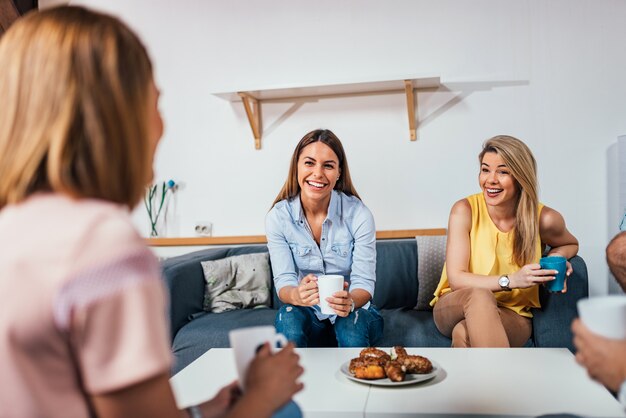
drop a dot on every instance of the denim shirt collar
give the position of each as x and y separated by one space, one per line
334 208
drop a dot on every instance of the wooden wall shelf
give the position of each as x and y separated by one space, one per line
252 99
260 239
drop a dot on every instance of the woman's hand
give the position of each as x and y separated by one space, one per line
222 402
530 275
272 379
341 301
307 292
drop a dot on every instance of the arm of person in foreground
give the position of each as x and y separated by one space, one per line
271 382
604 359
458 256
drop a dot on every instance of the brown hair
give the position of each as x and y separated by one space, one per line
520 160
74 86
291 188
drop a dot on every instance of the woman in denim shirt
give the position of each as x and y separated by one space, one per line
318 225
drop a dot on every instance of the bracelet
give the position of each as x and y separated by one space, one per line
194 412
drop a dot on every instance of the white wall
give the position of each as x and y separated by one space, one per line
548 72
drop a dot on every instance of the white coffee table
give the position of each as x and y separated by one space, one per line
480 382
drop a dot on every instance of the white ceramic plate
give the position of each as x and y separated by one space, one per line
409 379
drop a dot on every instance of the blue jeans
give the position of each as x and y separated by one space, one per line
362 328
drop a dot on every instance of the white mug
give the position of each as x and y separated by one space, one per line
328 284
245 343
604 315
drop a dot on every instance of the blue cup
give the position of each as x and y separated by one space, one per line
559 263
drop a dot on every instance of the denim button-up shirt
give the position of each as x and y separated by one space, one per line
347 244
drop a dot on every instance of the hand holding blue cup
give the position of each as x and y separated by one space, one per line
558 263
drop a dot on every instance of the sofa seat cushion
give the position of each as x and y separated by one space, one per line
411 328
210 330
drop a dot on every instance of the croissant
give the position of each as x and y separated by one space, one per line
416 364
375 352
368 368
394 371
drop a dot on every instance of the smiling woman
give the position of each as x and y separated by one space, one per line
318 225
495 239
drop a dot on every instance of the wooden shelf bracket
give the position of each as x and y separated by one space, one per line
410 107
253 111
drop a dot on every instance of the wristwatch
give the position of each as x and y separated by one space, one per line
504 282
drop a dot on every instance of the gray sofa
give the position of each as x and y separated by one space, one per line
194 331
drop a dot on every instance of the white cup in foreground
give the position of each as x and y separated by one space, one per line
245 343
604 315
327 285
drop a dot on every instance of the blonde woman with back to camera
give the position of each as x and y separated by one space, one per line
83 330
495 240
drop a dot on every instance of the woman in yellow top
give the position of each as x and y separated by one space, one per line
495 240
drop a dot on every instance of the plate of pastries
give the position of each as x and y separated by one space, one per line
377 367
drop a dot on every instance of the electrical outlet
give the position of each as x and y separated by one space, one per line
204 228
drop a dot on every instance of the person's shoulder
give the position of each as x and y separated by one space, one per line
475 199
281 208
549 218
354 210
348 200
281 211
83 232
462 207
80 216
108 232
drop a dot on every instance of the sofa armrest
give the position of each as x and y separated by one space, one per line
184 282
552 323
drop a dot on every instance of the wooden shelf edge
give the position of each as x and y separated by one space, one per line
290 92
260 239
252 99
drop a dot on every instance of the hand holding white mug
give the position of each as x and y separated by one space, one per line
341 302
246 342
307 292
274 377
602 357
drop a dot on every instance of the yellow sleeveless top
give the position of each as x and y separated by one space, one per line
490 255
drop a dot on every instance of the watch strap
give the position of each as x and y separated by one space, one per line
194 412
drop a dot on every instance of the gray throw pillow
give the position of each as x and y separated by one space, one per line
431 255
237 282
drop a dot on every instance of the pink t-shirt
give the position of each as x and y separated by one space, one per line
82 306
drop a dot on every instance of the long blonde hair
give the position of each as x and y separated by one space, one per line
521 162
74 90
291 188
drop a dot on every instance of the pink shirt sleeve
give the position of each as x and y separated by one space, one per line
114 315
